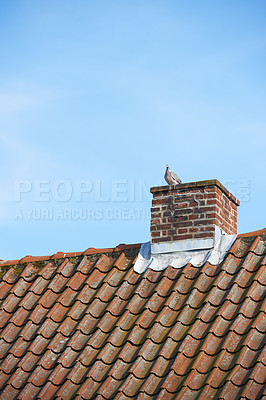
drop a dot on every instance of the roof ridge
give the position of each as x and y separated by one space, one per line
253 233
92 250
61 254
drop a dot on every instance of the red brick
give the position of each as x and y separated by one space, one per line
164 226
155 234
161 201
183 197
155 209
211 215
202 235
182 205
201 222
171 232
210 228
183 237
162 239
193 216
182 224
193 203
171 219
167 213
193 229
211 196
183 230
156 215
181 218
204 209
209 202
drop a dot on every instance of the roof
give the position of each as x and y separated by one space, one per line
86 326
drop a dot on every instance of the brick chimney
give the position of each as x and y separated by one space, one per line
191 216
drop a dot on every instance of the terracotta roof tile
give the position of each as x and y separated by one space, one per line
78 341
10 392
29 391
48 328
10 303
67 327
28 362
253 389
77 311
86 326
131 385
39 345
48 360
3 380
9 363
109 386
58 284
48 299
19 347
107 322
19 317
65 391
58 375
58 343
4 317
4 289
13 273
11 332
39 376
4 348
89 356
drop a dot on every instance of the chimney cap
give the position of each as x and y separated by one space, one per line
199 184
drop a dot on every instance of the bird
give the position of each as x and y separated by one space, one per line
170 177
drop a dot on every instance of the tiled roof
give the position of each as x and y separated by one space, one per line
86 326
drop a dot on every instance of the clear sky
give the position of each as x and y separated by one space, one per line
97 96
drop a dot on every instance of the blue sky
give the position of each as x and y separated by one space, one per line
99 96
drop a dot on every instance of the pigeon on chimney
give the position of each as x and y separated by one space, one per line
170 177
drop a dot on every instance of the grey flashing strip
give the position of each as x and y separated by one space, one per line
182 245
